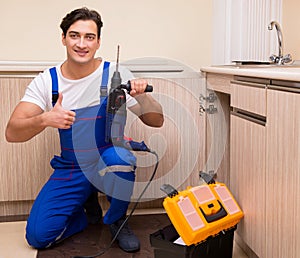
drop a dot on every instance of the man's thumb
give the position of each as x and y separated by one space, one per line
59 99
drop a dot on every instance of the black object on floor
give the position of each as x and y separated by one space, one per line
217 246
97 237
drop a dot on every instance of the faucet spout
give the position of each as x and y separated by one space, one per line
279 37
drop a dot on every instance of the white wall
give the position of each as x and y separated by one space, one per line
174 29
290 28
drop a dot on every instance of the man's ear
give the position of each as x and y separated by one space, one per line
63 39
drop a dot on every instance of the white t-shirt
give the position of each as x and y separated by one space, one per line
77 94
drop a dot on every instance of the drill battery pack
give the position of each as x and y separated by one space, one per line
202 211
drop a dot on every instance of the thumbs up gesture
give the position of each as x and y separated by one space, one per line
58 117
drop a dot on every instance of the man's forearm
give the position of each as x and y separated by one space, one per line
151 112
21 130
29 120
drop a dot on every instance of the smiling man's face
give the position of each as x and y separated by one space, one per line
81 41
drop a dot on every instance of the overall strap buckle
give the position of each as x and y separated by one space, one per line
104 82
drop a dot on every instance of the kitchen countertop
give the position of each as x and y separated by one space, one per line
285 72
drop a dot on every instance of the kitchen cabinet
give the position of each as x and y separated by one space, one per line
248 160
24 166
264 156
180 144
264 160
283 170
217 102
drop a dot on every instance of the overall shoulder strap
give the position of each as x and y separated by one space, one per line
54 79
104 82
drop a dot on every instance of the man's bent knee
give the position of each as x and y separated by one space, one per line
40 237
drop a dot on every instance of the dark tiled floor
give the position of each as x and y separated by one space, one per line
97 237
89 242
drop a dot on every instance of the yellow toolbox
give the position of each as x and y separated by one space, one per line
202 211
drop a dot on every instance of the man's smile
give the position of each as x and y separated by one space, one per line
81 52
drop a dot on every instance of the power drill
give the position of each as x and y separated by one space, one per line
116 112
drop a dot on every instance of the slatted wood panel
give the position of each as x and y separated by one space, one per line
249 98
283 174
217 138
24 166
219 82
217 126
248 180
179 143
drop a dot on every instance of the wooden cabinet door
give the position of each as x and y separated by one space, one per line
179 143
217 107
24 166
248 179
283 174
217 137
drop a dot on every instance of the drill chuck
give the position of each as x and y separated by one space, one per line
116 80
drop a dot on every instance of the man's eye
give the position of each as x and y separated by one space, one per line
73 36
90 37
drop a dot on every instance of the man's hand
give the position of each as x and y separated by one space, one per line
58 117
147 108
29 119
138 87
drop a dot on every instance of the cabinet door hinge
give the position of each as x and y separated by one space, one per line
211 98
211 109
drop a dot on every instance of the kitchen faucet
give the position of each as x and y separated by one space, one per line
280 59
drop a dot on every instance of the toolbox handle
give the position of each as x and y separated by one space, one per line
219 215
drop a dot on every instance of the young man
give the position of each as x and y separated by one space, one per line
87 163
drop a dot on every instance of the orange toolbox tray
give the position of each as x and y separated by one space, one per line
202 211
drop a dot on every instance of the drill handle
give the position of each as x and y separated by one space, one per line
127 86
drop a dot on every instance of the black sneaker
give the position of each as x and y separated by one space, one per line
127 240
93 209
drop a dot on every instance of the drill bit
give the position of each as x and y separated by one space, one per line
116 78
118 55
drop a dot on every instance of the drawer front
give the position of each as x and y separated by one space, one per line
220 83
249 97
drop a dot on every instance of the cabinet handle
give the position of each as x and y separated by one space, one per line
283 88
251 84
249 116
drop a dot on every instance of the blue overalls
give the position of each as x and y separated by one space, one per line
87 163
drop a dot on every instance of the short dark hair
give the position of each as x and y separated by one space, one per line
81 14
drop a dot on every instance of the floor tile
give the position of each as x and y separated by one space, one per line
12 241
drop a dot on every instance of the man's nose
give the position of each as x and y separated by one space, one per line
81 42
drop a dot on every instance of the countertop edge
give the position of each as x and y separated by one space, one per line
279 73
290 74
